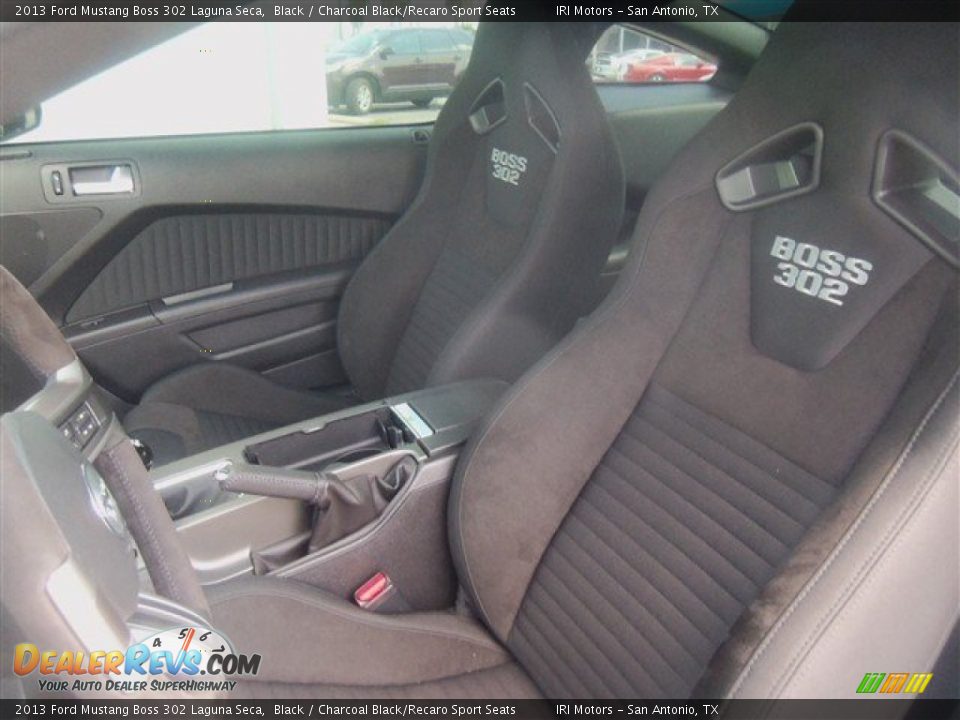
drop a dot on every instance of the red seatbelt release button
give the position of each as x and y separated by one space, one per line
374 591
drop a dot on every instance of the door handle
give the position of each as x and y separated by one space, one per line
102 180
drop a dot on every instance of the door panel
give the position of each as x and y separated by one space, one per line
32 242
181 254
283 326
233 248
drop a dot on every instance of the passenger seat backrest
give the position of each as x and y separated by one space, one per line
683 441
495 259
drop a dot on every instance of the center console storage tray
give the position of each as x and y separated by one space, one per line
345 440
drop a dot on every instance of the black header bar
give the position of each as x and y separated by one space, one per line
475 10
867 709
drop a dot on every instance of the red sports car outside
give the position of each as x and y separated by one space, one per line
671 67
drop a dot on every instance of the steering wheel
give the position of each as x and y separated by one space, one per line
90 504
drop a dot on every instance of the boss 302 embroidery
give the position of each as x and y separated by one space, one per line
508 167
822 274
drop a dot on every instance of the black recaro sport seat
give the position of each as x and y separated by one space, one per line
740 474
488 269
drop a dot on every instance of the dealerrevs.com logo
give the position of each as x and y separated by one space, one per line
190 659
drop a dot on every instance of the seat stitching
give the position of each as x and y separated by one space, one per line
723 448
583 602
520 638
694 411
636 574
767 504
739 514
687 503
578 651
564 670
719 558
658 562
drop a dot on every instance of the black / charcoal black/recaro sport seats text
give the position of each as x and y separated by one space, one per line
719 481
490 267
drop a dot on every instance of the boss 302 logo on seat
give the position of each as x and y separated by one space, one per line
822 274
508 167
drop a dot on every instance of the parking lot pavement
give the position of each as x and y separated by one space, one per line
387 114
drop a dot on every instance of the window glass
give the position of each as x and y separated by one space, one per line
628 56
252 77
358 43
404 43
435 41
462 38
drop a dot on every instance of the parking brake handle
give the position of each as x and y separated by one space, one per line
342 504
271 481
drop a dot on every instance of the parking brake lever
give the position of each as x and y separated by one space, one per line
272 482
343 504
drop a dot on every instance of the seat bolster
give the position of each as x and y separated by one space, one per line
170 431
205 406
307 636
895 439
231 390
617 348
884 599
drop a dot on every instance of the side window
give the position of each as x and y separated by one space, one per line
404 43
623 55
436 41
257 77
462 39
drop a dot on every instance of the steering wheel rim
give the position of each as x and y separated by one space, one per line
29 335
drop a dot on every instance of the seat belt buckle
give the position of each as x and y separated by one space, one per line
379 594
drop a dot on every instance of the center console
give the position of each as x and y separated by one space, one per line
333 500
353 503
